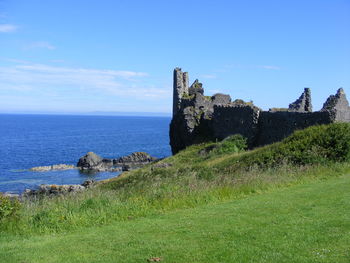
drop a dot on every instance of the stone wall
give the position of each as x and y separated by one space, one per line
274 126
241 119
198 118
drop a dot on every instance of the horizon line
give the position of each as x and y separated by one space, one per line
93 113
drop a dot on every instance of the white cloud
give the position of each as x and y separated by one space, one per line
79 71
67 81
14 60
7 28
40 44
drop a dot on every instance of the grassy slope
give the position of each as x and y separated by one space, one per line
302 223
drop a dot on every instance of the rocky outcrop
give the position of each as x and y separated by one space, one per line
93 162
198 118
53 189
134 159
55 167
50 190
89 161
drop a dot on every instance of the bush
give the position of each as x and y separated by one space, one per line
232 144
8 208
318 144
314 145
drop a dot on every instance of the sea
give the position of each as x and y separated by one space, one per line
28 141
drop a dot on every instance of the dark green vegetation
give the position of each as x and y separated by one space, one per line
232 144
8 208
285 202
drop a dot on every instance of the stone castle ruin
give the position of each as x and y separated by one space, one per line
198 118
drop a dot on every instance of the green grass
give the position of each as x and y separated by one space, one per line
304 223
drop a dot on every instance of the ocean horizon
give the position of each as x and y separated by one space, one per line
91 113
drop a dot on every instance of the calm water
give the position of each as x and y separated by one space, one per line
38 140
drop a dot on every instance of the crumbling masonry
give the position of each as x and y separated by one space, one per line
198 118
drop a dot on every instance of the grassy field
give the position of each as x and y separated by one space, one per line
304 223
285 202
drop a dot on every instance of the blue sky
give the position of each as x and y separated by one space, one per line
84 56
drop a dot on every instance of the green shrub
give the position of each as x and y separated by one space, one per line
318 144
314 145
232 144
8 208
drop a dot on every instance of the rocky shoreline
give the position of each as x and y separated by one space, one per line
89 163
53 189
93 162
50 190
55 167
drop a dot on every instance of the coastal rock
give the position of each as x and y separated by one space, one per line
126 168
53 189
106 165
136 158
55 167
93 162
89 161
88 183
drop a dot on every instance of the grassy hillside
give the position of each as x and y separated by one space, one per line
203 178
305 223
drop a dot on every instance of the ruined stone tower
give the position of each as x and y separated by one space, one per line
180 88
338 106
303 104
198 118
